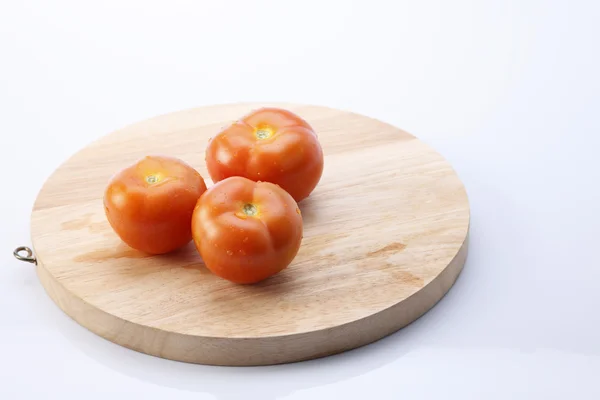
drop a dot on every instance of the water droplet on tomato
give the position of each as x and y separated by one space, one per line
229 252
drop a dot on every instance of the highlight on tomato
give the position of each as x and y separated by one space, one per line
246 231
272 145
150 203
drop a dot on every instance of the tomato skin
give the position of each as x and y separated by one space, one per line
246 248
150 203
272 145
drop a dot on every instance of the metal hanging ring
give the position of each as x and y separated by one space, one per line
29 257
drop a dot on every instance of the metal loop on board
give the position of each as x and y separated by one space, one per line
29 257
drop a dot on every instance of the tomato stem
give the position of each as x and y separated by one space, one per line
264 133
250 210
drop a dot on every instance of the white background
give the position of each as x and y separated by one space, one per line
507 91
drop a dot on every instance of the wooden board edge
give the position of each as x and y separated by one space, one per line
254 351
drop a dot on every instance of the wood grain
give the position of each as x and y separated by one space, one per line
385 237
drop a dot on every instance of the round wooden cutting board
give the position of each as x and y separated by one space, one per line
385 237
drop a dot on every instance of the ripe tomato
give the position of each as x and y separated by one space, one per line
150 204
246 231
272 145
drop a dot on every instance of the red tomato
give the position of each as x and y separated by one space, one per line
246 231
272 145
150 203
